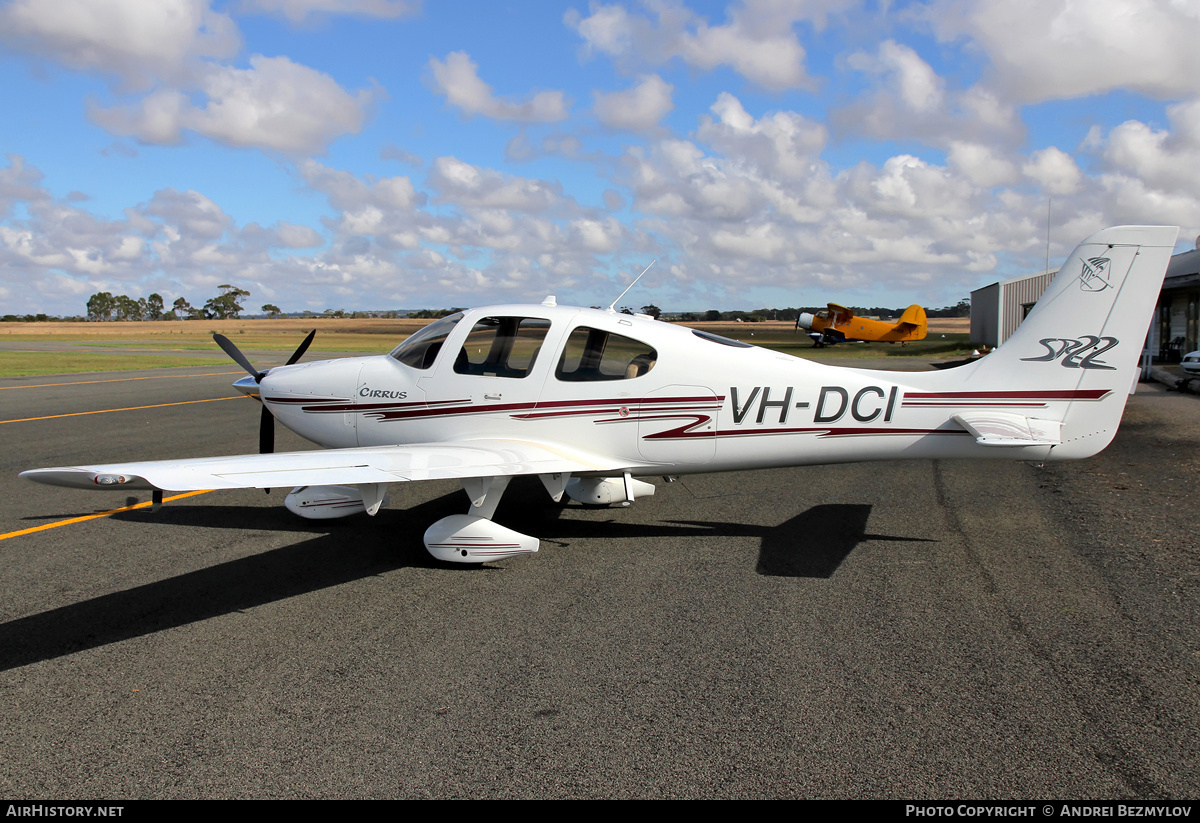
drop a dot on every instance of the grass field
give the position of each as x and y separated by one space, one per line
947 338
28 363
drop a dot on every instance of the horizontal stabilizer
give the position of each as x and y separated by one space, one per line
1002 429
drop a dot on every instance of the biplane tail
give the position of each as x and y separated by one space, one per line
914 317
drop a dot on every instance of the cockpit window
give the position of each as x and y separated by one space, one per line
593 354
420 349
502 346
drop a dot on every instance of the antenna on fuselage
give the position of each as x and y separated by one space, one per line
612 308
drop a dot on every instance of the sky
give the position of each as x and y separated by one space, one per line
383 154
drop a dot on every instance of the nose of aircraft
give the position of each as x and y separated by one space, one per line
315 400
323 379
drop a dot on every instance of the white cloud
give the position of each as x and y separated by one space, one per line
1056 49
275 104
756 40
463 184
600 236
638 108
911 100
348 193
159 118
174 48
912 95
913 80
280 105
782 144
195 215
1054 170
457 77
298 11
981 165
136 40
608 29
1167 160
292 236
19 183
385 245
1132 200
771 60
987 111
385 208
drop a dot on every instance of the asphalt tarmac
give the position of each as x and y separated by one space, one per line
908 630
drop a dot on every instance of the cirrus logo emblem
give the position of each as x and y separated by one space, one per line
1095 273
367 391
623 411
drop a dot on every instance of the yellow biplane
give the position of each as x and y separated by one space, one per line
837 324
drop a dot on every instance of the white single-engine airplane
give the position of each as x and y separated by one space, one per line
590 401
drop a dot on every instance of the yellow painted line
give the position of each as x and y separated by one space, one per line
130 408
55 525
121 380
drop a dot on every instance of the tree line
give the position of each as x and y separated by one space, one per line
104 306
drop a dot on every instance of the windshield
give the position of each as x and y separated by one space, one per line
420 349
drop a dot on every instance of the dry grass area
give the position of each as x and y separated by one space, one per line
204 328
950 325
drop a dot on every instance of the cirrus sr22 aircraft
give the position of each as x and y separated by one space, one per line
591 401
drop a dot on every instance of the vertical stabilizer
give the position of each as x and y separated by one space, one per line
1082 341
914 316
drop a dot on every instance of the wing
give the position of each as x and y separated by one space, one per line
383 464
840 314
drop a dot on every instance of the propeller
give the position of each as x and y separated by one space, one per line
234 352
266 420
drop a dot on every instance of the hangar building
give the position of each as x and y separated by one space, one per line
998 309
1177 329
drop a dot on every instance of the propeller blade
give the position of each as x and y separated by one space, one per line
266 432
239 358
298 353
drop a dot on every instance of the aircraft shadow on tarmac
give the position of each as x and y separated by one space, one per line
812 544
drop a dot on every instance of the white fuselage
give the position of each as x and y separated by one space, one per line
697 404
